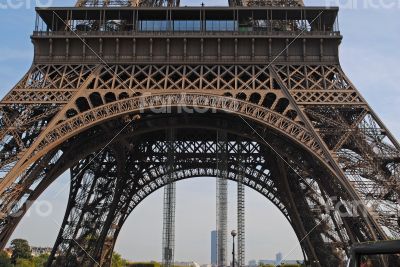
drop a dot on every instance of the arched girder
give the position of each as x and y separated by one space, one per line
95 116
138 130
153 180
92 142
353 159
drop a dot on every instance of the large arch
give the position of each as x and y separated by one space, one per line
153 180
59 131
279 142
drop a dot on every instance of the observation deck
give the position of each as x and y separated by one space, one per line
187 35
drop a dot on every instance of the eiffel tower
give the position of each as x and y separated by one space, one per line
110 80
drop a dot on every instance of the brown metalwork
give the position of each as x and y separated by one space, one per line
310 139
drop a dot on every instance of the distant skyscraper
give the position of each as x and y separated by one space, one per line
214 248
278 258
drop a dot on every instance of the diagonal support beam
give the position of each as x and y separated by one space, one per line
374 230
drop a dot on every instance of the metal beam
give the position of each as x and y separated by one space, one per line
168 241
222 199
241 207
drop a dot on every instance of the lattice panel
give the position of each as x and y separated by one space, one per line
309 77
39 96
185 77
55 77
91 187
155 101
324 97
365 151
20 126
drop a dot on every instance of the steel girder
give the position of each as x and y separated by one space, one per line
198 158
309 112
361 236
314 105
324 113
222 198
168 235
241 214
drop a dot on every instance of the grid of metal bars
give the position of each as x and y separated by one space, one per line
241 207
168 241
222 199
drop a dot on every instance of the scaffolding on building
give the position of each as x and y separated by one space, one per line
222 198
241 164
168 241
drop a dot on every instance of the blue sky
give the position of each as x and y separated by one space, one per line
369 55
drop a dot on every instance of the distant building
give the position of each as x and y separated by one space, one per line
277 262
36 251
214 248
278 258
186 264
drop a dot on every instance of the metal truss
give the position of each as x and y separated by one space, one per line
152 179
316 106
289 99
241 215
303 104
222 199
168 241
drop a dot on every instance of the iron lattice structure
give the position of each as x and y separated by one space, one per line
269 77
168 242
222 199
241 215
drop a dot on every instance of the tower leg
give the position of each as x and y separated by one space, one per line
89 229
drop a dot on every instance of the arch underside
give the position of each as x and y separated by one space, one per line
119 177
96 106
194 157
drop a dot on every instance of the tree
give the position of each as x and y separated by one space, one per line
41 260
5 259
24 263
21 250
118 261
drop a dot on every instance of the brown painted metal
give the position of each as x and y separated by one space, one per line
281 76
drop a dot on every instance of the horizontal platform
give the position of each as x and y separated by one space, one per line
185 49
236 19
